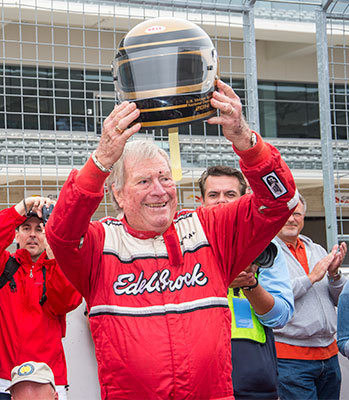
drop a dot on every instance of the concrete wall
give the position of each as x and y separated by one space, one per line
80 356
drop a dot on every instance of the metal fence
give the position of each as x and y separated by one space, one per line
332 24
56 89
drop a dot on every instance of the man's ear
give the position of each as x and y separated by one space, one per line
118 194
201 200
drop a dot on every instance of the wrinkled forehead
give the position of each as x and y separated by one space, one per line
157 165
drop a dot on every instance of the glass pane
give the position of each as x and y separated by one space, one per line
291 120
30 121
14 121
46 122
13 104
30 104
78 107
290 91
78 124
62 106
63 124
46 105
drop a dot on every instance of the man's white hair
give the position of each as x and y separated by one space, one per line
137 150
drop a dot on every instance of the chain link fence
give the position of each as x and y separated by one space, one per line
56 89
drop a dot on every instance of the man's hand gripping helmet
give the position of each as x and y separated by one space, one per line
169 67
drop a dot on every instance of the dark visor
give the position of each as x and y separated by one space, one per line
160 71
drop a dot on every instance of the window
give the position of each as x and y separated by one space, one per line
288 109
50 98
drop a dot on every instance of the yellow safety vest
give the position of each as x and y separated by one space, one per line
244 323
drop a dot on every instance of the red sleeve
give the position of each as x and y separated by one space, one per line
76 242
62 297
90 177
9 220
240 231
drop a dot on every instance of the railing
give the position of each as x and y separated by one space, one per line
196 152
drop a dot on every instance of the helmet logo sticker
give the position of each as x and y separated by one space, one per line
26 369
155 28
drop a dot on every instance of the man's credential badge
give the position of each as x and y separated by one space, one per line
274 184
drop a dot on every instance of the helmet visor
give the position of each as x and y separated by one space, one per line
181 70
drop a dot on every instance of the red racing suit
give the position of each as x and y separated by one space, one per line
29 331
158 304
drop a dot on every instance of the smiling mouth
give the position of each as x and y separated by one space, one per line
156 205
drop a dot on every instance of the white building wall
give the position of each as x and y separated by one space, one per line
80 356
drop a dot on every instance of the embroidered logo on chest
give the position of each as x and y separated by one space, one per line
130 284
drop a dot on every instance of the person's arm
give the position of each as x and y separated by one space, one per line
272 298
75 242
330 265
11 218
253 220
261 301
233 123
336 281
301 284
339 256
33 204
343 322
322 266
276 281
62 297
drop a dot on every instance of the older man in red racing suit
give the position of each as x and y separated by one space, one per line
32 306
156 281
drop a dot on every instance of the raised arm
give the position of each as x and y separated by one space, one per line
69 225
231 118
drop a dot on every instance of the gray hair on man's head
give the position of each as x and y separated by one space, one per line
303 201
137 150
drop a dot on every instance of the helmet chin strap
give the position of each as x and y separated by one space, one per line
175 155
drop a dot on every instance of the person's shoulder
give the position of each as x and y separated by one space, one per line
314 246
308 241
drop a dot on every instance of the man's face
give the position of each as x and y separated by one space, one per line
148 197
221 189
30 236
294 225
33 391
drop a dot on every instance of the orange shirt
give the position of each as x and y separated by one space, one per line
284 350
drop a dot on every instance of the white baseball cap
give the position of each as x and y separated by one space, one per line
32 371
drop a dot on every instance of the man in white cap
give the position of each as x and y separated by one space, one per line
32 381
